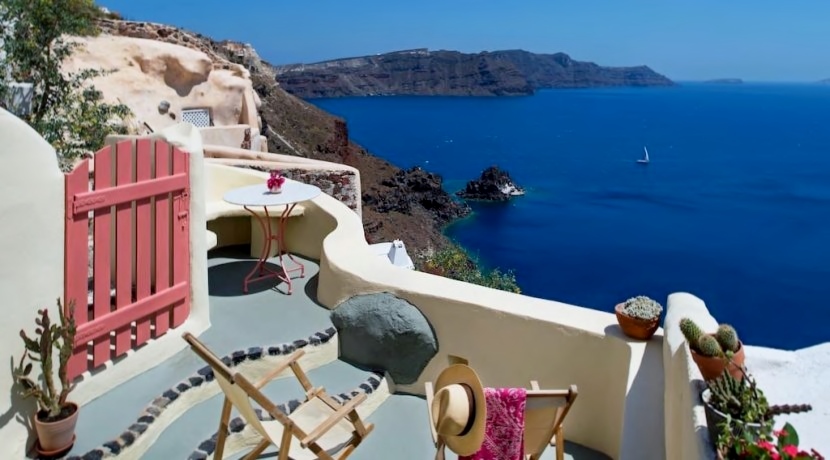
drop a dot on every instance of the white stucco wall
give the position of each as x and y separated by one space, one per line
31 266
229 136
687 437
510 339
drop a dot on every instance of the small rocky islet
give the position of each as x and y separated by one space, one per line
494 184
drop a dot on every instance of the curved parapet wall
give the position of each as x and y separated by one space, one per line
337 180
686 434
509 338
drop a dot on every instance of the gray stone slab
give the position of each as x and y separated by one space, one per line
262 317
198 424
402 432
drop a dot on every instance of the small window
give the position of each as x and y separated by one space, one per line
199 118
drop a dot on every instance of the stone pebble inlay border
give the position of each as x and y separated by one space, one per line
237 424
114 447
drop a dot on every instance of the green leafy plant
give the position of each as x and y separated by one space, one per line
743 402
453 262
724 342
66 109
642 307
48 338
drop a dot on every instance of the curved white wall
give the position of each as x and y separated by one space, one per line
510 339
31 267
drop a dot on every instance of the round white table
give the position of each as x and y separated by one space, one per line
293 192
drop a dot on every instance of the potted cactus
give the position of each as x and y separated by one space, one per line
56 416
714 352
737 409
639 317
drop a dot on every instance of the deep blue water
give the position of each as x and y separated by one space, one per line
734 207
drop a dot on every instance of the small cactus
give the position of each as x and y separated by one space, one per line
779 409
727 338
691 331
707 345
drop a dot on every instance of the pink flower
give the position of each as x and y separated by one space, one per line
766 445
780 433
790 450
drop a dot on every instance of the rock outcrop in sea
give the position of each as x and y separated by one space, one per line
493 185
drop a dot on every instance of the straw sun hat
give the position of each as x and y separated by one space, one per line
459 410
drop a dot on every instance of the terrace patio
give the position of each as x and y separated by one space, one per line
262 318
637 400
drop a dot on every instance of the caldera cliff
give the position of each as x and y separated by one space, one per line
451 73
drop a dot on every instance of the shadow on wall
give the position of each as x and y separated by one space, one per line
643 404
20 409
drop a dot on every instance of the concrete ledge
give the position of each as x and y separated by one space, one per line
686 432
199 386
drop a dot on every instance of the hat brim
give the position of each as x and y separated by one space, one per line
470 442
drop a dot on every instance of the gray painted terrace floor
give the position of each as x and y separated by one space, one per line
265 316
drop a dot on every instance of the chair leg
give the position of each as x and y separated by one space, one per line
285 443
260 448
223 430
560 443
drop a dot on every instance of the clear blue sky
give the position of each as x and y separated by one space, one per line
761 40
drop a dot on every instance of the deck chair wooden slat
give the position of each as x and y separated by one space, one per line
320 428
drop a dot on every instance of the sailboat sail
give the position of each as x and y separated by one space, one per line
645 157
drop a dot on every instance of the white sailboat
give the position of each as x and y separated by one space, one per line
645 159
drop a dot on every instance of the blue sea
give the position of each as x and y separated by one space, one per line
734 206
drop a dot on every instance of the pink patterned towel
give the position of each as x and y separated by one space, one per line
504 439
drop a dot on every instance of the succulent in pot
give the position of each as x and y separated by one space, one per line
639 317
737 409
56 416
713 353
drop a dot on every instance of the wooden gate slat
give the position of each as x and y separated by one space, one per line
143 232
123 247
102 299
76 262
132 312
181 246
162 317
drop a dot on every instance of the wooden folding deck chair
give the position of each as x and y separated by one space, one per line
320 428
544 413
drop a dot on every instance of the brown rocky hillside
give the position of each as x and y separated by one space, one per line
409 205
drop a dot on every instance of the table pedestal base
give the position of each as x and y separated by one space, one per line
261 271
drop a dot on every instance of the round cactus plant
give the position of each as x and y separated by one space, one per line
727 338
708 345
642 307
691 331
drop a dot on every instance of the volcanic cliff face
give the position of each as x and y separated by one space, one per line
409 205
451 73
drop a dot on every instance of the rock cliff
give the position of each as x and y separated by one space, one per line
409 205
451 73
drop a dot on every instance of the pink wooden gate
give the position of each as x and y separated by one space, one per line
135 208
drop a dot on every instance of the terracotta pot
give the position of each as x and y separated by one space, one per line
712 368
714 418
636 328
57 436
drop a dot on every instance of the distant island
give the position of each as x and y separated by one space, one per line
725 81
452 73
826 81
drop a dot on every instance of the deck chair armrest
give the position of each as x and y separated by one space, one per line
329 423
293 357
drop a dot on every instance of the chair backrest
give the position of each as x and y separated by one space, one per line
544 413
229 382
